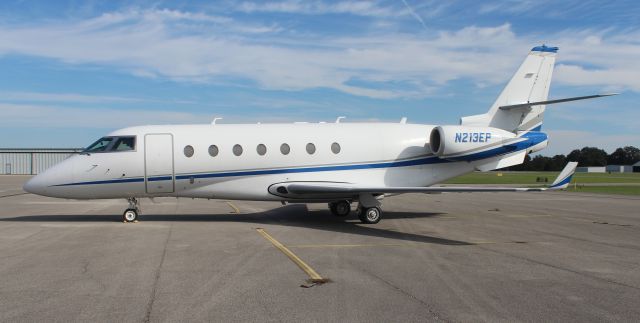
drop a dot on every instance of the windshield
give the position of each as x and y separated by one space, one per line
108 144
100 145
124 144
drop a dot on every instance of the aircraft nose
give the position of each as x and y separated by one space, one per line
36 185
52 181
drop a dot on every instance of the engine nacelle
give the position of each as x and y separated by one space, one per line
472 143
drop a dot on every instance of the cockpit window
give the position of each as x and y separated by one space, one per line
109 144
100 145
124 144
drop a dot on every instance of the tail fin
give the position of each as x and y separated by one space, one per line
529 84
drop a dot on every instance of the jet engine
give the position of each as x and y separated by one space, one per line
473 143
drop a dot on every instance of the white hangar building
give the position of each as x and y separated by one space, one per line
32 161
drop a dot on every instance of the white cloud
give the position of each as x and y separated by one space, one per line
359 8
196 47
27 115
75 98
55 116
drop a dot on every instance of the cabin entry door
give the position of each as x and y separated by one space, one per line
159 174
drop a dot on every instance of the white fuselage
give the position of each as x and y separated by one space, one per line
370 154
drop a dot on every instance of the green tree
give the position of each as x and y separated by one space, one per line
538 163
555 163
628 155
589 156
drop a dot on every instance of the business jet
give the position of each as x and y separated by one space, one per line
336 163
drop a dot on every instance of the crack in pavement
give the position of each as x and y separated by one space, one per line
562 268
152 299
435 314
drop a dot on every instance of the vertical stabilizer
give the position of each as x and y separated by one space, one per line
529 84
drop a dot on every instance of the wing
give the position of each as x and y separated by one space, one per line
319 190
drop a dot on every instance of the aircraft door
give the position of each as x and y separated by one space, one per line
158 163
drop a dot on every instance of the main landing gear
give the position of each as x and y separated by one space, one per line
369 211
369 215
340 208
131 214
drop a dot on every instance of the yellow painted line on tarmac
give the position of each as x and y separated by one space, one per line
315 277
351 245
527 215
235 208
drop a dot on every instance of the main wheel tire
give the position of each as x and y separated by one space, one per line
332 208
130 215
370 215
342 208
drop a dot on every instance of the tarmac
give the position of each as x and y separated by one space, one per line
456 257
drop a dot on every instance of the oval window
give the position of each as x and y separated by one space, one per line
237 150
285 149
188 151
335 147
311 148
213 150
261 149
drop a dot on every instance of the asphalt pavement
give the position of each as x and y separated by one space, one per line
457 257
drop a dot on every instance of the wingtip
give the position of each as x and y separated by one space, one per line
565 176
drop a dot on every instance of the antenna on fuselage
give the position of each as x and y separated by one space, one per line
340 118
215 119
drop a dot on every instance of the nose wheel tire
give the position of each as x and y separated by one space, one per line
130 215
370 215
341 208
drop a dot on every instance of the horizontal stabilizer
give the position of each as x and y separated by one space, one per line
530 104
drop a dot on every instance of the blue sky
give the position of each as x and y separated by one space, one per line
71 71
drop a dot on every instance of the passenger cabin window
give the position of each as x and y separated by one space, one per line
335 147
188 151
261 149
285 149
213 150
237 150
311 148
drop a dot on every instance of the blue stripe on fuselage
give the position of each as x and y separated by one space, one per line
110 181
415 162
404 163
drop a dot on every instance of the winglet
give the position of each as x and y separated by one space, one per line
565 177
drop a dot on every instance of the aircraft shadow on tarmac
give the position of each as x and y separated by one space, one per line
290 215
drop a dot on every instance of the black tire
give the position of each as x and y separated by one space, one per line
332 208
370 215
342 208
130 215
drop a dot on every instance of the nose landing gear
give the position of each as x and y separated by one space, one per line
131 214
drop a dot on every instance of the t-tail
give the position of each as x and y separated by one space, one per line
521 104
529 84
512 127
